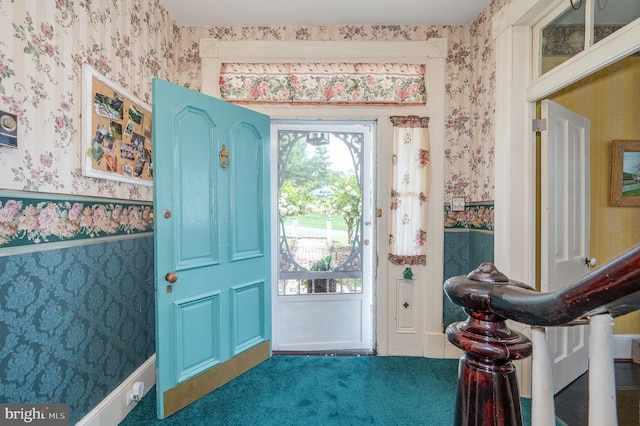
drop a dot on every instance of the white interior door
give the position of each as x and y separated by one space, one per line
565 228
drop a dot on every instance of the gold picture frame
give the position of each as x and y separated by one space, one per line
116 132
625 173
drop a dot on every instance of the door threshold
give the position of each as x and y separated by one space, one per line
347 352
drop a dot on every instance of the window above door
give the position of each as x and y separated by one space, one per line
574 26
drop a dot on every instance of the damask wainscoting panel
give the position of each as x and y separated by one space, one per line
468 242
456 262
75 320
480 248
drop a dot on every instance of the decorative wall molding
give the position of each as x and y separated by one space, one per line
32 221
437 48
209 48
263 51
500 22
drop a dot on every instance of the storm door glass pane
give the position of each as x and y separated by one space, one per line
320 212
563 38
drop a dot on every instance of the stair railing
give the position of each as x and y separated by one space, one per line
487 384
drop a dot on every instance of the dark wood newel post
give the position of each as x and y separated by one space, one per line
487 385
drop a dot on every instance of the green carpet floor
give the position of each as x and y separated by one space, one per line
326 390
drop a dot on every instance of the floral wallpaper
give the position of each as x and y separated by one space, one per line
43 45
42 51
469 144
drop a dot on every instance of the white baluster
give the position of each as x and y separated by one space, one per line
602 382
543 411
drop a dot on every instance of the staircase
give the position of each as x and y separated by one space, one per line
487 385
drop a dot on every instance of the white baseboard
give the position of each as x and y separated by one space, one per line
622 345
113 409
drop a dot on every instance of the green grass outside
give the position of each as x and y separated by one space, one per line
318 221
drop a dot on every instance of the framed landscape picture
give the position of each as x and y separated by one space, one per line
625 173
116 132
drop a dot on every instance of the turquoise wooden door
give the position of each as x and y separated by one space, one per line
212 251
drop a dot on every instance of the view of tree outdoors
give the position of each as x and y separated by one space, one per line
319 202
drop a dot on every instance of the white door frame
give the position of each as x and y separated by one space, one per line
516 94
428 337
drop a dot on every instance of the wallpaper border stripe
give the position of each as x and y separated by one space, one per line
35 221
477 216
467 231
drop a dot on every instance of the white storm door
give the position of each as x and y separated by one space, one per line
320 305
565 228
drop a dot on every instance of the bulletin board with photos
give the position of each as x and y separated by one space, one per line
117 140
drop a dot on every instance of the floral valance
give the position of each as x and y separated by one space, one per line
324 83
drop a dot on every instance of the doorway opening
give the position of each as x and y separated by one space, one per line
324 293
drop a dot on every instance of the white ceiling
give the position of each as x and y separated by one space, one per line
252 13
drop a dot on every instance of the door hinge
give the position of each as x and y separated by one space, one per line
539 125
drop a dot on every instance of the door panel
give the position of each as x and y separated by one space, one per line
298 324
248 315
212 267
565 228
196 242
248 207
196 331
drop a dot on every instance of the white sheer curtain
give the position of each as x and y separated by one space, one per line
410 190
